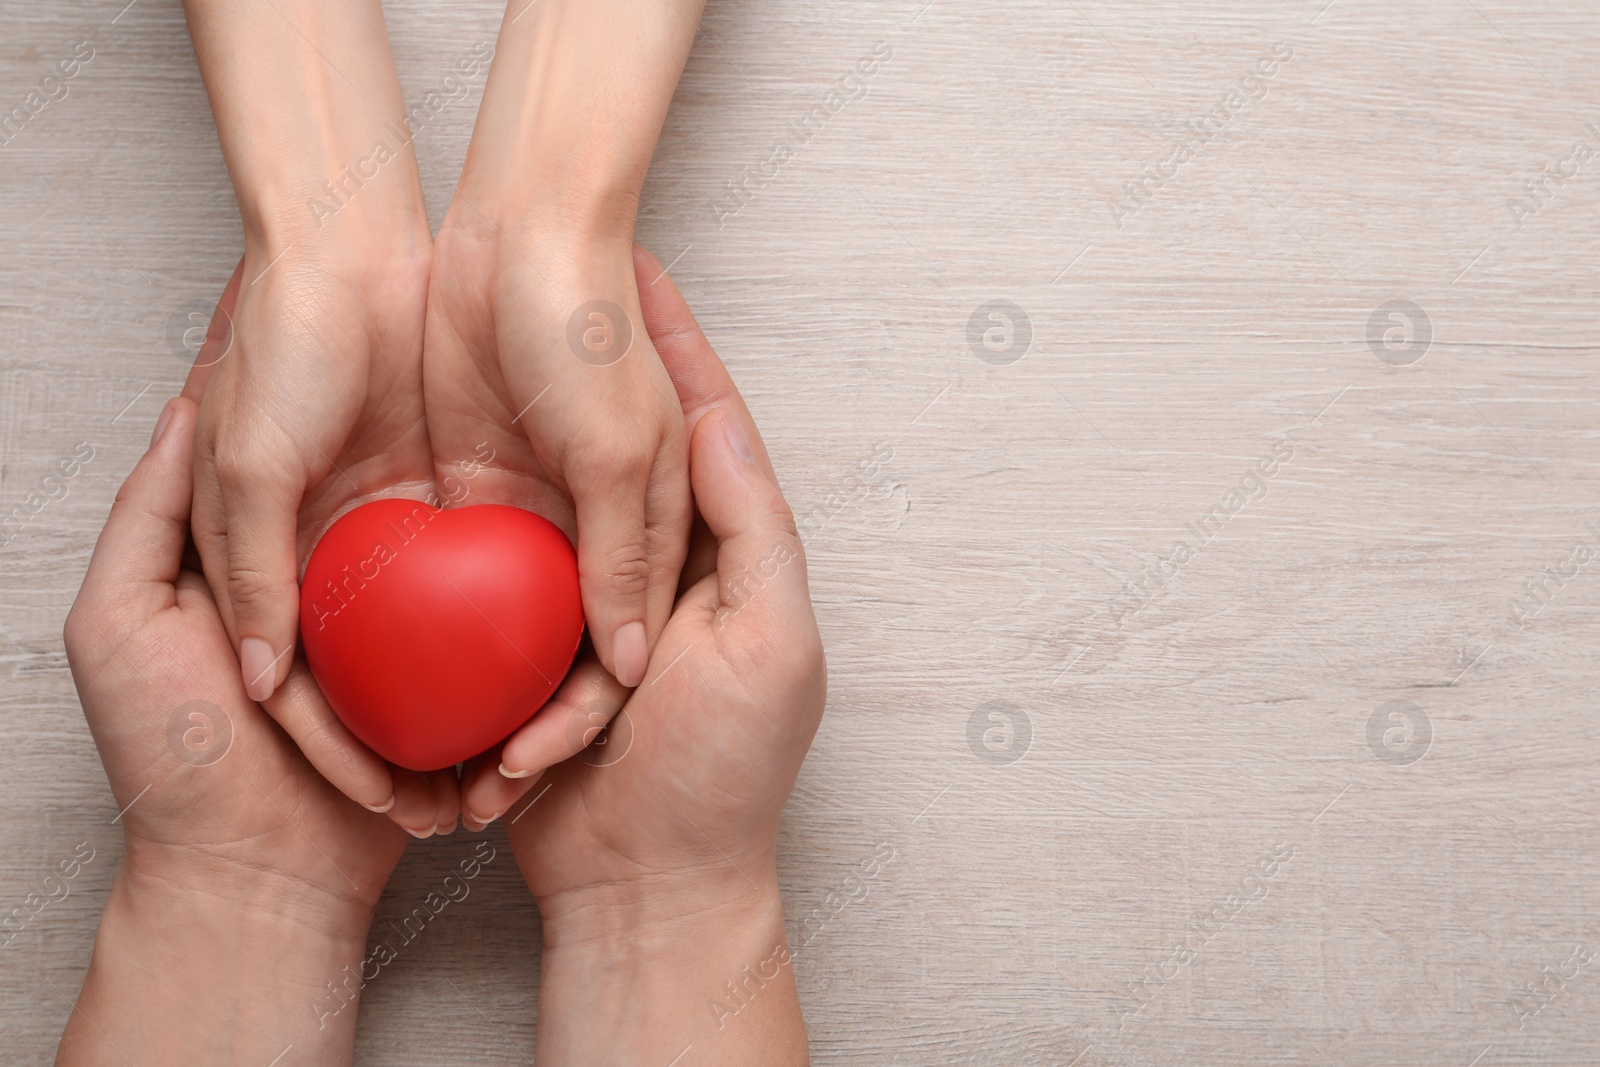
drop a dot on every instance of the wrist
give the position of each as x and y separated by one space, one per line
571 113
345 224
199 963
537 210
309 112
662 908
670 964
160 878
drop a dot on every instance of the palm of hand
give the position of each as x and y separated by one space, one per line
590 439
478 440
321 395
311 401
695 769
199 768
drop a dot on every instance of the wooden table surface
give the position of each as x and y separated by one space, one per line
1211 634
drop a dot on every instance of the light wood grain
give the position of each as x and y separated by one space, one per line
1171 747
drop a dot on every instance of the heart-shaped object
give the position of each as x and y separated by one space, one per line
436 633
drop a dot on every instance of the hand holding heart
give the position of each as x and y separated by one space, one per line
418 802
662 854
653 857
247 879
735 687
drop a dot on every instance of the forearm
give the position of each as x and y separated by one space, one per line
573 108
311 119
236 975
640 981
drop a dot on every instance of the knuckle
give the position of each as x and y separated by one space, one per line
780 518
601 460
75 636
626 571
236 464
250 586
243 464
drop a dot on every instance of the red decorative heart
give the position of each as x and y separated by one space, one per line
436 633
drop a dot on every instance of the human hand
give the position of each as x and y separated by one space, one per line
589 437
315 401
248 881
659 847
535 351
390 418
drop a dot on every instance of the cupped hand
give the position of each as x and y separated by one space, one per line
309 388
212 792
695 769
542 384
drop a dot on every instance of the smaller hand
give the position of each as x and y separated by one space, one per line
536 356
224 818
309 368
665 836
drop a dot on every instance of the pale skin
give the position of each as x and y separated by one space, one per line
249 881
367 360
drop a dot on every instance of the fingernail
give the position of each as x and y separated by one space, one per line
161 423
472 824
420 835
446 828
381 808
733 430
257 663
630 652
507 772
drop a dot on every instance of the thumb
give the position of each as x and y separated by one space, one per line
758 547
137 558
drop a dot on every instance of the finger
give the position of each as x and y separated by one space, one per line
447 799
669 520
697 374
586 701
614 562
416 802
350 766
486 794
137 558
260 506
219 338
758 548
702 558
